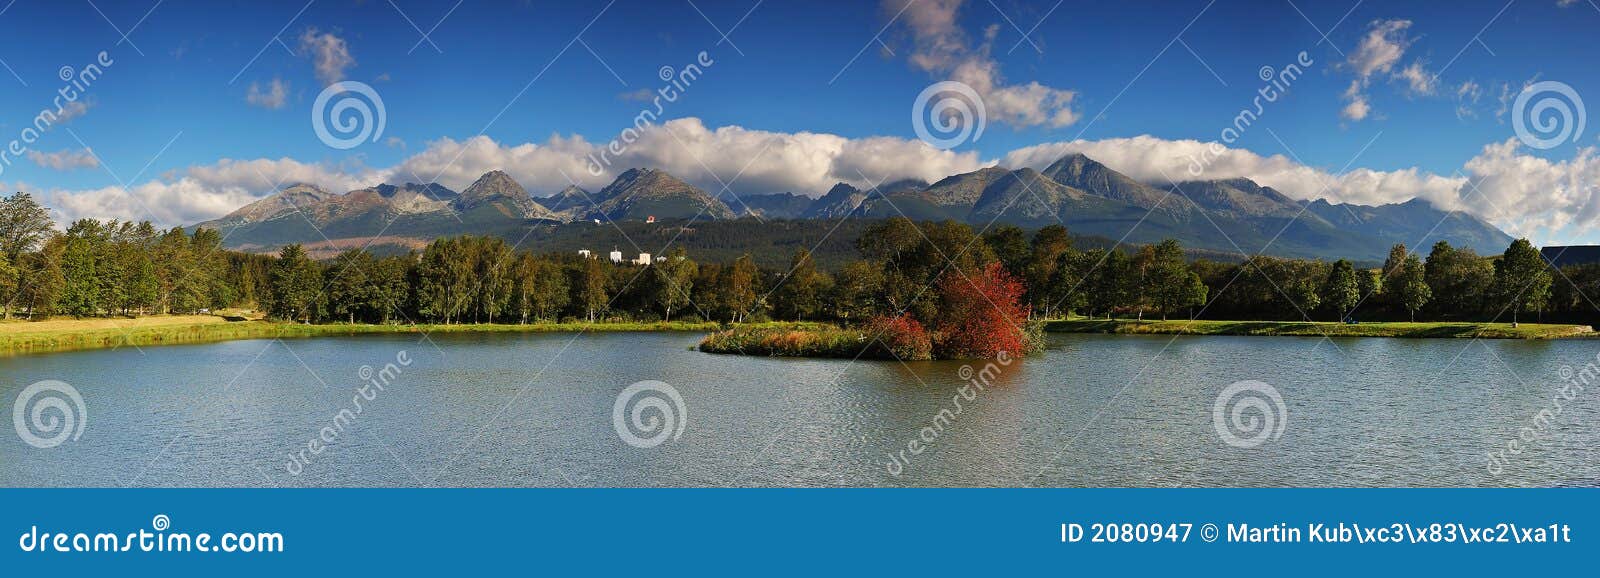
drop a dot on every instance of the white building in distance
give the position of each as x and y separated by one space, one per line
616 256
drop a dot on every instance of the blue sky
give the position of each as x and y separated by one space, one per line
178 94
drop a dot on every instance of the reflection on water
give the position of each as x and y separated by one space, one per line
537 410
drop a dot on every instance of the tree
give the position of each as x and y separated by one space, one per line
592 289
350 285
1109 281
1063 291
1167 276
799 293
390 286
855 291
42 278
1458 278
1342 292
1195 293
1393 266
210 269
80 294
674 281
739 287
1010 246
982 315
24 224
446 278
296 286
490 292
8 285
1414 292
1044 259
1521 278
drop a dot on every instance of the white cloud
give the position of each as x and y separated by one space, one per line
330 55
1418 79
1530 195
65 160
1507 95
751 161
1377 55
640 95
941 47
1382 47
1357 108
274 97
1467 96
74 109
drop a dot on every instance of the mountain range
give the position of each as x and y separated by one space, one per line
1089 198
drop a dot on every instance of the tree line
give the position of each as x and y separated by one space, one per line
96 268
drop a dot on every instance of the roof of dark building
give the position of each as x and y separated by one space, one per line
1564 255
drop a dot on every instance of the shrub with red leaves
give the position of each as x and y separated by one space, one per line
902 336
981 315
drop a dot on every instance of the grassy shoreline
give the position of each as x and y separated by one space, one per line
1320 329
18 338
781 339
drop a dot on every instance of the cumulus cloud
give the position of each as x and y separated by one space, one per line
942 47
1535 196
65 160
274 96
1378 55
763 161
330 55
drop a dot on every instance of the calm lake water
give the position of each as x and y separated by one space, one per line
536 410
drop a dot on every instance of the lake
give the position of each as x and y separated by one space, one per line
537 410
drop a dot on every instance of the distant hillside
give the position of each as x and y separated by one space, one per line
1231 216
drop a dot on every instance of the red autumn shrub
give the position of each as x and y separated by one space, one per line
981 315
902 336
